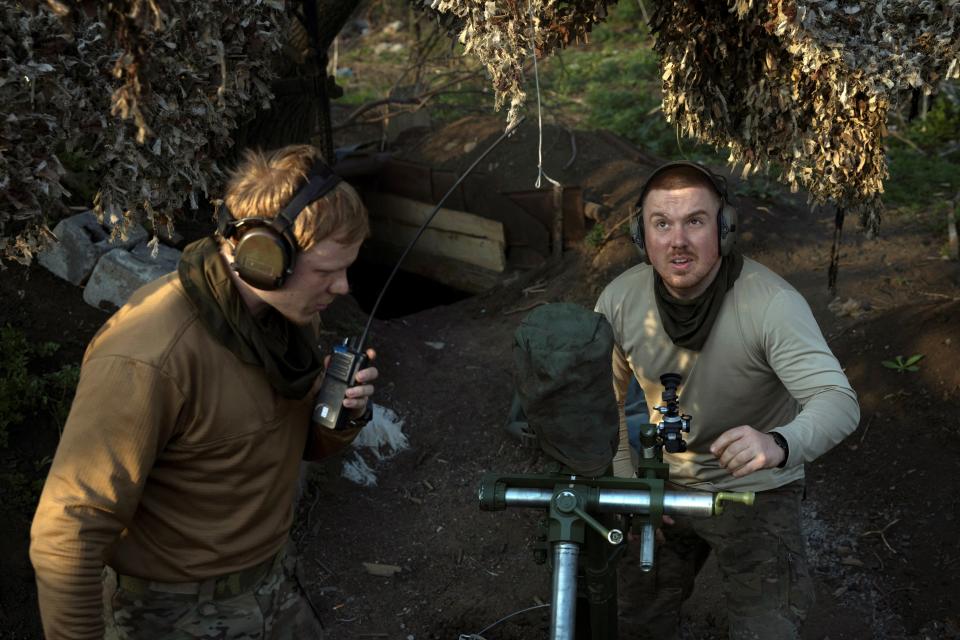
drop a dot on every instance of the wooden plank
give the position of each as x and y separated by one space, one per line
453 273
539 204
522 229
413 213
457 246
406 178
479 195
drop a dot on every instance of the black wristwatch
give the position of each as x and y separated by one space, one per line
782 443
366 417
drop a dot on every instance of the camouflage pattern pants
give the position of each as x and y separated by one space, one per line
274 608
763 567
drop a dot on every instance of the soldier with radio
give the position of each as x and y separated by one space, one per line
768 394
168 505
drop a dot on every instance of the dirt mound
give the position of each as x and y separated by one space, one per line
881 512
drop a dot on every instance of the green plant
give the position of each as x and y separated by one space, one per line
19 389
614 84
901 365
23 390
595 236
59 387
924 160
912 175
940 126
759 187
22 488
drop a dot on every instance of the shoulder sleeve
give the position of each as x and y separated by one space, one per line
609 305
797 352
604 306
122 415
323 443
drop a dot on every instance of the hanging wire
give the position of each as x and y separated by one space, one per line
536 76
479 635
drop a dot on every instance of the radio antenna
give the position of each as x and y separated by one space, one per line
349 357
426 223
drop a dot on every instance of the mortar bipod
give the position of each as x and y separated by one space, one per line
573 502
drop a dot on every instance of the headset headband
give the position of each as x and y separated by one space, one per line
719 182
320 181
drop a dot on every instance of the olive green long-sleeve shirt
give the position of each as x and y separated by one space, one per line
178 463
765 364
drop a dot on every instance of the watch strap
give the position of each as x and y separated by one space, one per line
782 443
362 420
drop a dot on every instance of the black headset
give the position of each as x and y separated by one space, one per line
726 216
265 249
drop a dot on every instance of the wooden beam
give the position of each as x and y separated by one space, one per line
453 273
468 249
412 212
457 235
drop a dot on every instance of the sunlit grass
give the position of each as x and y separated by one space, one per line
612 82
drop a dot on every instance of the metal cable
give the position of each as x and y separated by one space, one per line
479 635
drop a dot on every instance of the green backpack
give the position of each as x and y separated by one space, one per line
564 386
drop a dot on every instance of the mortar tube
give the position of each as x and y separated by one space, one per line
647 547
679 503
563 613
683 503
527 497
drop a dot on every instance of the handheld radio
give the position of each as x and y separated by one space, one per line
345 361
349 356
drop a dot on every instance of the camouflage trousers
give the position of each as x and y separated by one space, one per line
272 607
763 566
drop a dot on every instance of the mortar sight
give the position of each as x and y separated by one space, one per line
670 382
674 424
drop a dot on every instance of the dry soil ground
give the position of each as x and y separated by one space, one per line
463 569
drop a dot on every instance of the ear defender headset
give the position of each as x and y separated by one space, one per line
726 216
265 249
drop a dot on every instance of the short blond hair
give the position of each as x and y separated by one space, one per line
264 182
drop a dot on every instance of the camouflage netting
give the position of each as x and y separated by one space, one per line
77 98
804 84
499 35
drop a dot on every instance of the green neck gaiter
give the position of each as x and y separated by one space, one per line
288 355
688 322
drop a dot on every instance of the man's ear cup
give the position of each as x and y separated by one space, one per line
262 257
727 225
636 235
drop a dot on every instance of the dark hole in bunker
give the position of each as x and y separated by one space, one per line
407 294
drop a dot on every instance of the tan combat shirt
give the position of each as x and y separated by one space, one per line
178 463
765 364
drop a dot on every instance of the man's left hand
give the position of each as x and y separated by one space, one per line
357 396
743 450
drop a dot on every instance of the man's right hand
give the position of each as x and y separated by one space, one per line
635 538
744 450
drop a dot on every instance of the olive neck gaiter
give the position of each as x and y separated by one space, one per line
287 352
